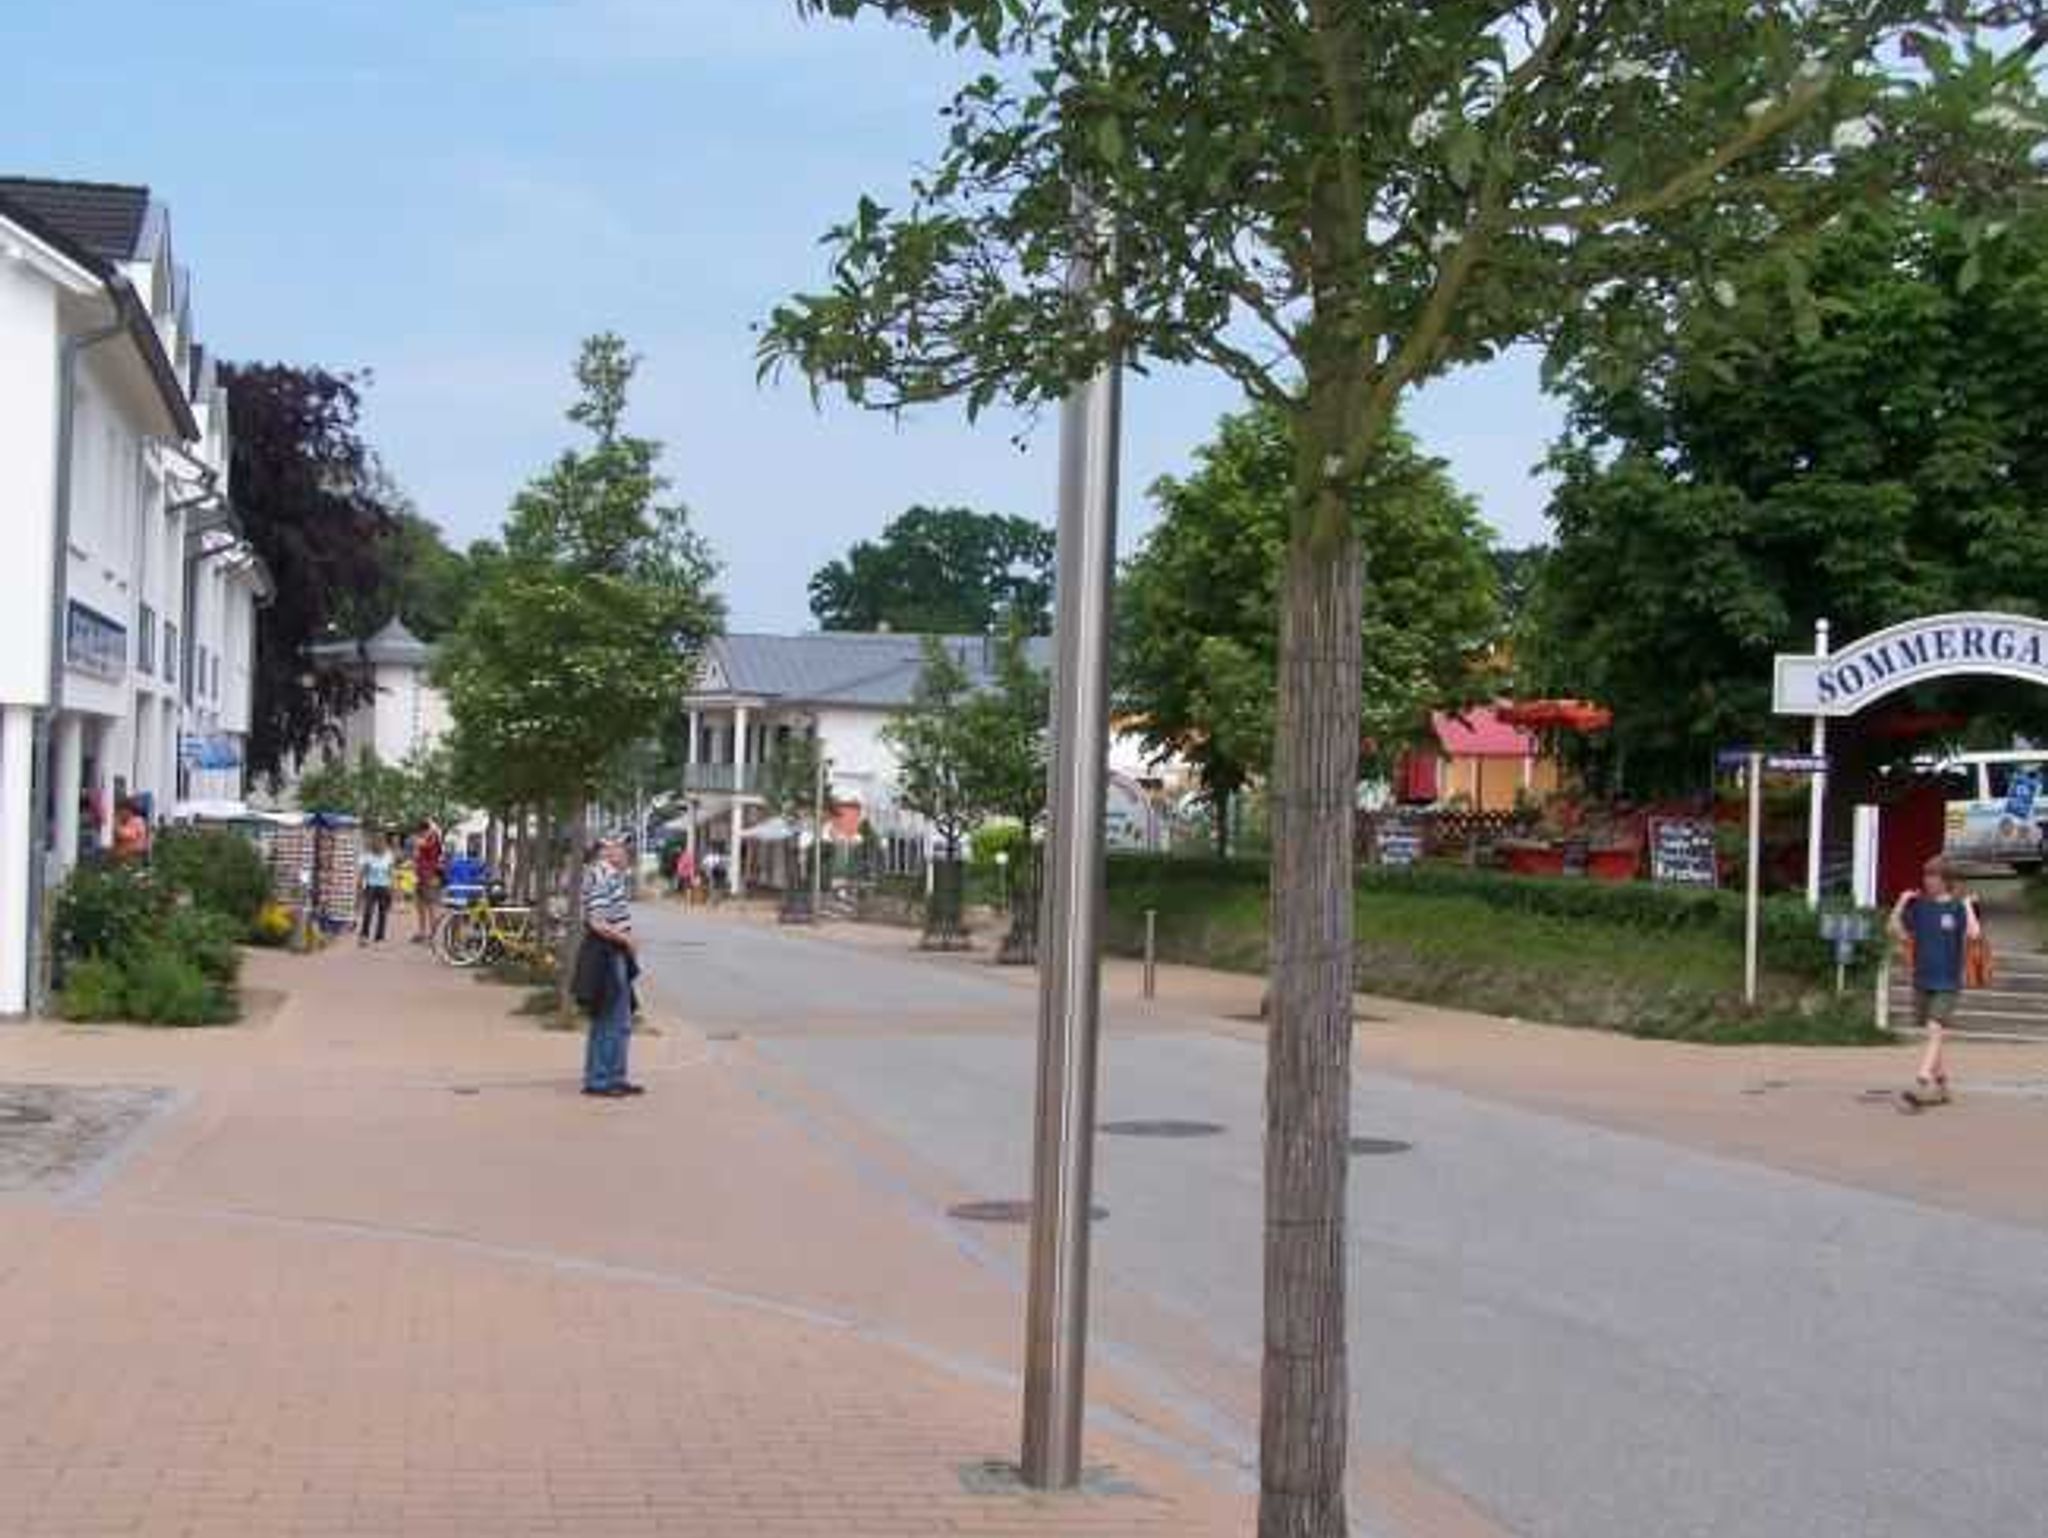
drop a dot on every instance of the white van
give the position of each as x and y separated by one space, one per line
1997 807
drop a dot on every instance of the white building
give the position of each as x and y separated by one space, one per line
127 603
845 686
405 713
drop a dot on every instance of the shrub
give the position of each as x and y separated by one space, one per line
93 990
107 910
207 940
221 872
162 987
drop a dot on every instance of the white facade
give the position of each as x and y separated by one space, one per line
405 713
96 354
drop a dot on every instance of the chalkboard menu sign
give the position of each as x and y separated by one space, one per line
1400 843
1682 852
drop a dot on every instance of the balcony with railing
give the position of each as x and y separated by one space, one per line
727 779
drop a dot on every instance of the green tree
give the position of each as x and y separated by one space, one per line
1198 626
929 739
421 578
1003 767
1890 463
941 571
1332 201
382 795
790 784
586 628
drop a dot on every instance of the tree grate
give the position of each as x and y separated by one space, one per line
1365 1146
1006 1212
1162 1127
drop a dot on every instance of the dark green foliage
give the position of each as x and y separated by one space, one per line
1198 615
162 987
219 871
1886 459
207 939
133 946
94 990
941 571
108 910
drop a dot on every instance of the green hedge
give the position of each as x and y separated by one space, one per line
1789 931
134 945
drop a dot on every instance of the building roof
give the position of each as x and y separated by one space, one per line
106 218
877 669
393 646
1480 733
99 225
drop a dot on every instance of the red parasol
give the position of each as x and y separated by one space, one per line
1553 715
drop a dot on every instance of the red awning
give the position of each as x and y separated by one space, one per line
1556 715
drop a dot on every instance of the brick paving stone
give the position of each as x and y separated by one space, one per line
325 1297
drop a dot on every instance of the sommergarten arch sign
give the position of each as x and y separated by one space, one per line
1843 682
1840 682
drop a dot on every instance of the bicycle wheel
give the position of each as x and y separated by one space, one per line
462 939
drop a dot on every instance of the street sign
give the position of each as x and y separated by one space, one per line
1774 763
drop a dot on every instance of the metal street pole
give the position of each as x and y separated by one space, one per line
1753 904
1070 972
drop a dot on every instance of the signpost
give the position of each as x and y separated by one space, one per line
1754 762
1399 843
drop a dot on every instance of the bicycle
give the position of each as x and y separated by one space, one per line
486 930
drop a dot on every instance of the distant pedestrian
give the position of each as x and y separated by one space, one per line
606 967
379 875
429 873
1938 926
131 833
686 874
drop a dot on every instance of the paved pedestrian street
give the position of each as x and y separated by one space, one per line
370 1265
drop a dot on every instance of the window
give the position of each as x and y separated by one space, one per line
145 640
170 654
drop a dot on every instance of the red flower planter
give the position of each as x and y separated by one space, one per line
1533 860
1612 864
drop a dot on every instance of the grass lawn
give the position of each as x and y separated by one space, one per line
1677 980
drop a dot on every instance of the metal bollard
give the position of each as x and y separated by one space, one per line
1151 952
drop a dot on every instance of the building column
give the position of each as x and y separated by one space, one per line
103 783
67 785
734 880
17 790
691 724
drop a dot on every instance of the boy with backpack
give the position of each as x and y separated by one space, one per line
1938 926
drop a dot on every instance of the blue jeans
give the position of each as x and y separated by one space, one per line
604 1057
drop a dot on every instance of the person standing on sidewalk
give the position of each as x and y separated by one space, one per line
378 870
428 872
606 965
1937 925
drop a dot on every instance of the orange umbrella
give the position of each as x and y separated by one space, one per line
1552 715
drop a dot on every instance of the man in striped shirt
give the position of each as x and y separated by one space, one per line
608 923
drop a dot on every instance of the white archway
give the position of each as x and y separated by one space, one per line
1830 683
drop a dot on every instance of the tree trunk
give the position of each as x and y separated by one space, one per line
1219 813
1305 1401
570 887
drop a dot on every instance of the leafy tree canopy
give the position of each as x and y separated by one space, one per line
310 500
929 738
1884 457
1198 621
421 578
586 628
385 796
941 571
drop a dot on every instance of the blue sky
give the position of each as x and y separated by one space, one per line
451 193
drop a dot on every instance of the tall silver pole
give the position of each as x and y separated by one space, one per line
1069 977
1753 895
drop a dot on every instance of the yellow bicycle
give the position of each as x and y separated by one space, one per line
484 930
